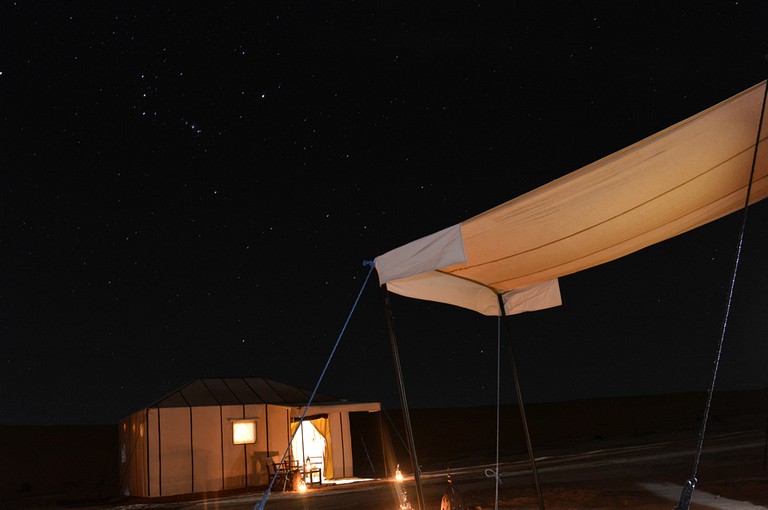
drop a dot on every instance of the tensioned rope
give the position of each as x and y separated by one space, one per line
494 473
397 432
265 497
690 485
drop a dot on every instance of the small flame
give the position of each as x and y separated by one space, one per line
398 474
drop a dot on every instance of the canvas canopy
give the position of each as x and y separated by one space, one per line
681 178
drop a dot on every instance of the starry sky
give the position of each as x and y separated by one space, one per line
191 192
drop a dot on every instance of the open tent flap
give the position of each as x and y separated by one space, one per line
688 175
444 288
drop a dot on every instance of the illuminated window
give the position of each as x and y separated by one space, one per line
244 432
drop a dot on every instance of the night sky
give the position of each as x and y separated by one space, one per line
191 191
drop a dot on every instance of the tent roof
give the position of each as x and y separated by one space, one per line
211 391
681 178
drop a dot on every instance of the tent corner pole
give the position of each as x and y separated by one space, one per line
403 399
520 403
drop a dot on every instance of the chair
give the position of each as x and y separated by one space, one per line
282 473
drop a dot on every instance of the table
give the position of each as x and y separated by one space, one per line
313 476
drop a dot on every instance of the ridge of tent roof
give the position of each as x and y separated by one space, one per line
218 391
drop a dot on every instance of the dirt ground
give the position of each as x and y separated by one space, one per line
614 460
594 474
602 474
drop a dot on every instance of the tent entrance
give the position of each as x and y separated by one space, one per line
312 444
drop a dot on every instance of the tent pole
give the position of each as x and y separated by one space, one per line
403 399
519 395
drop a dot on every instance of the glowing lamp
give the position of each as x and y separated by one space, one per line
398 474
302 486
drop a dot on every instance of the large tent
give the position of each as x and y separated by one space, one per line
681 178
508 260
186 442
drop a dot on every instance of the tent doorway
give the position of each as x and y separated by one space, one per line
311 444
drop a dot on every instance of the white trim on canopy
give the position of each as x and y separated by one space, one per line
688 175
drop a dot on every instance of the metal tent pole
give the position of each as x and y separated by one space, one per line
520 404
403 399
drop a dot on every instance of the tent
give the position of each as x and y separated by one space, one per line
681 178
508 260
189 440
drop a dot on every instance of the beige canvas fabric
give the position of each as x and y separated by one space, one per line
681 178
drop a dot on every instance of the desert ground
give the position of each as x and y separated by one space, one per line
602 454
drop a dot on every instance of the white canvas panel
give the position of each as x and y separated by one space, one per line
175 451
445 288
233 455
206 449
153 441
346 439
535 297
434 251
257 453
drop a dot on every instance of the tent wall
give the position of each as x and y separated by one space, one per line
278 420
152 469
233 456
180 450
132 440
256 468
174 452
206 449
342 454
341 439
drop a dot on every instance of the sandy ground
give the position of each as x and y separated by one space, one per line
595 474
635 453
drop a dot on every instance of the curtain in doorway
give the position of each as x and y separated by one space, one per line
323 427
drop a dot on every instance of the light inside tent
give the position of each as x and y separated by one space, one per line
310 445
244 432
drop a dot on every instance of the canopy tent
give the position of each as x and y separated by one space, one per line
681 178
507 260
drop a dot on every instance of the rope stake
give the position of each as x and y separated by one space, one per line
498 407
687 493
490 473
